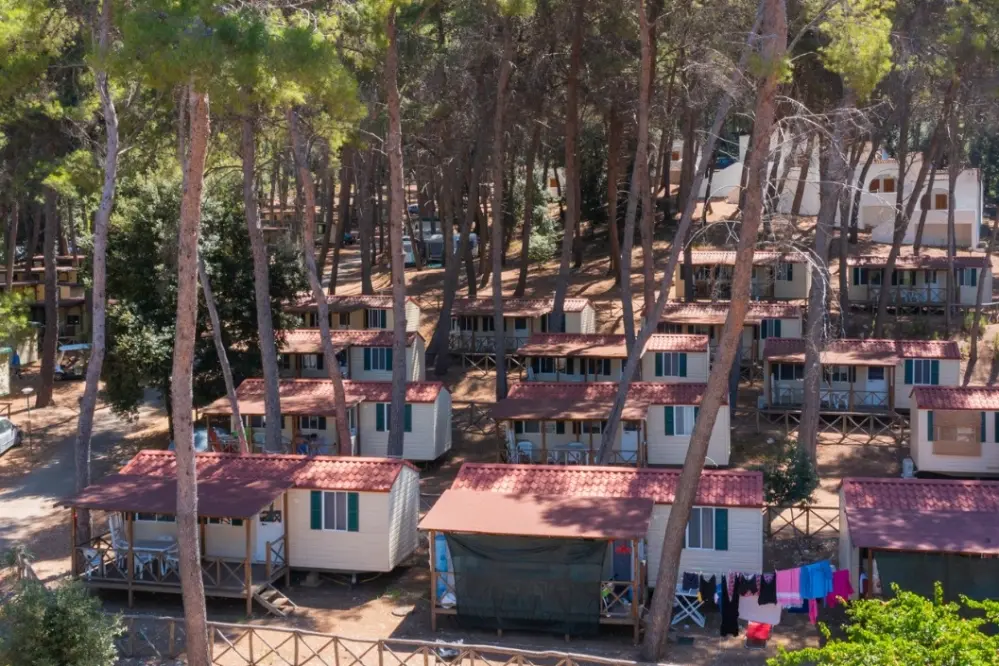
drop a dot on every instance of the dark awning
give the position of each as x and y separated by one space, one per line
217 498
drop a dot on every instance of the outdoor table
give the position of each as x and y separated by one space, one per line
688 606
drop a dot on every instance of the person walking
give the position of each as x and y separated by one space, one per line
15 364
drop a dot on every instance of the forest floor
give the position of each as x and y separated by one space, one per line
34 477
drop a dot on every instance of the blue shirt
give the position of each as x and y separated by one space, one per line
816 580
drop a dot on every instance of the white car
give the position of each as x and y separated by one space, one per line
10 435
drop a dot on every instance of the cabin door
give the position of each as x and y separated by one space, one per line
270 528
629 442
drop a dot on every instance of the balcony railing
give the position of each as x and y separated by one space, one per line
563 454
906 295
482 342
832 399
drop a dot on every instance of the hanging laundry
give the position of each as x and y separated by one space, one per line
841 588
707 593
789 587
729 607
813 610
747 585
768 589
751 610
690 582
816 580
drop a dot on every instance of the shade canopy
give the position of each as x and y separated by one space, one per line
478 512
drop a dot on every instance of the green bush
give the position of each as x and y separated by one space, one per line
969 322
789 477
60 627
544 239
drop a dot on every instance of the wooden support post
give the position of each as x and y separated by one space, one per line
201 534
544 443
870 574
591 439
72 545
172 629
433 581
131 556
248 573
852 374
636 575
287 543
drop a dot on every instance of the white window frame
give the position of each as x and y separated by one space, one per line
683 420
310 422
377 315
310 361
671 363
700 513
339 495
922 371
379 359
782 271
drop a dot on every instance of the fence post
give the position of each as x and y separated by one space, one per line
295 648
211 643
808 515
381 656
131 638
170 642
250 635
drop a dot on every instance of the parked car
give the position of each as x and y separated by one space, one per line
10 435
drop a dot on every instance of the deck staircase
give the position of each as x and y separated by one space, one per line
275 601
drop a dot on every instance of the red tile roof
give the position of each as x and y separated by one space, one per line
670 342
716 488
515 307
926 515
590 401
862 352
348 303
975 398
310 472
308 340
727 257
606 346
314 397
921 262
715 313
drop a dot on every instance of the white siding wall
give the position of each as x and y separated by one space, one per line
416 371
220 540
849 557
797 287
579 366
442 428
950 375
420 444
921 450
745 544
697 369
416 360
364 550
588 320
4 374
413 315
404 514
672 450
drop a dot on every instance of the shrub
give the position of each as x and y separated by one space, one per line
544 239
969 323
789 477
64 626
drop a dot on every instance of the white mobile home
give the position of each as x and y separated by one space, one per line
363 355
564 423
260 515
859 375
357 313
919 281
778 276
728 505
763 320
954 430
473 325
308 416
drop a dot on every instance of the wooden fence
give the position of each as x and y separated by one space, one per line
801 521
251 645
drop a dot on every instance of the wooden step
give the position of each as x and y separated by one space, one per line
275 602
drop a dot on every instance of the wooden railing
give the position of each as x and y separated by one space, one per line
834 399
561 455
275 556
801 521
246 645
482 342
910 295
221 572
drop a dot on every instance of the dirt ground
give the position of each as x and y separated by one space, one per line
396 605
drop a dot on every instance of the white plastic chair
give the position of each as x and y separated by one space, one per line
93 562
119 541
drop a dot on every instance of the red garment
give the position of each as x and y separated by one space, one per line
813 610
841 587
758 631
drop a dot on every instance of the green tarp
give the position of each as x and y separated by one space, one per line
975 577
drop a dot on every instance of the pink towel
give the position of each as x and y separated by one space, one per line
813 610
841 587
789 587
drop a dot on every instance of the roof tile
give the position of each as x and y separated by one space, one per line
715 313
315 396
976 398
727 257
309 340
516 307
918 262
862 352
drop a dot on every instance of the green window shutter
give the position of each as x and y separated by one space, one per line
316 513
352 511
995 427
408 418
935 373
776 328
380 417
790 272
683 364
560 427
570 366
518 427
974 277
670 427
367 354
929 426
981 434
659 365
388 358
908 371
856 275
237 522
319 361
721 529
697 410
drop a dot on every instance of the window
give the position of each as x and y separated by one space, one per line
875 374
344 320
531 427
680 420
155 517
886 185
769 328
547 364
255 421
940 202
312 361
903 278
488 324
383 417
876 277
376 319
671 364
669 328
860 276
334 511
284 361
312 423
785 272
553 182
788 371
889 185
598 366
922 371
704 273
593 427
838 373
707 529
930 277
378 358
675 155
233 522
875 185
520 324
967 277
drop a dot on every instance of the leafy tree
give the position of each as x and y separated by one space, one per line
908 629
789 476
65 626
15 322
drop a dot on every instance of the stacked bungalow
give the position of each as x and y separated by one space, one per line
473 324
308 416
363 355
763 320
858 375
357 313
29 281
919 281
955 430
776 275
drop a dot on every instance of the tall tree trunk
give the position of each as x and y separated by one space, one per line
639 184
366 201
35 212
393 146
530 184
615 130
343 216
503 81
71 227
315 283
917 241
328 206
953 170
98 315
261 287
469 256
799 190
689 154
12 227
50 341
557 317
230 386
832 170
191 583
979 298
855 207
774 43
903 215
